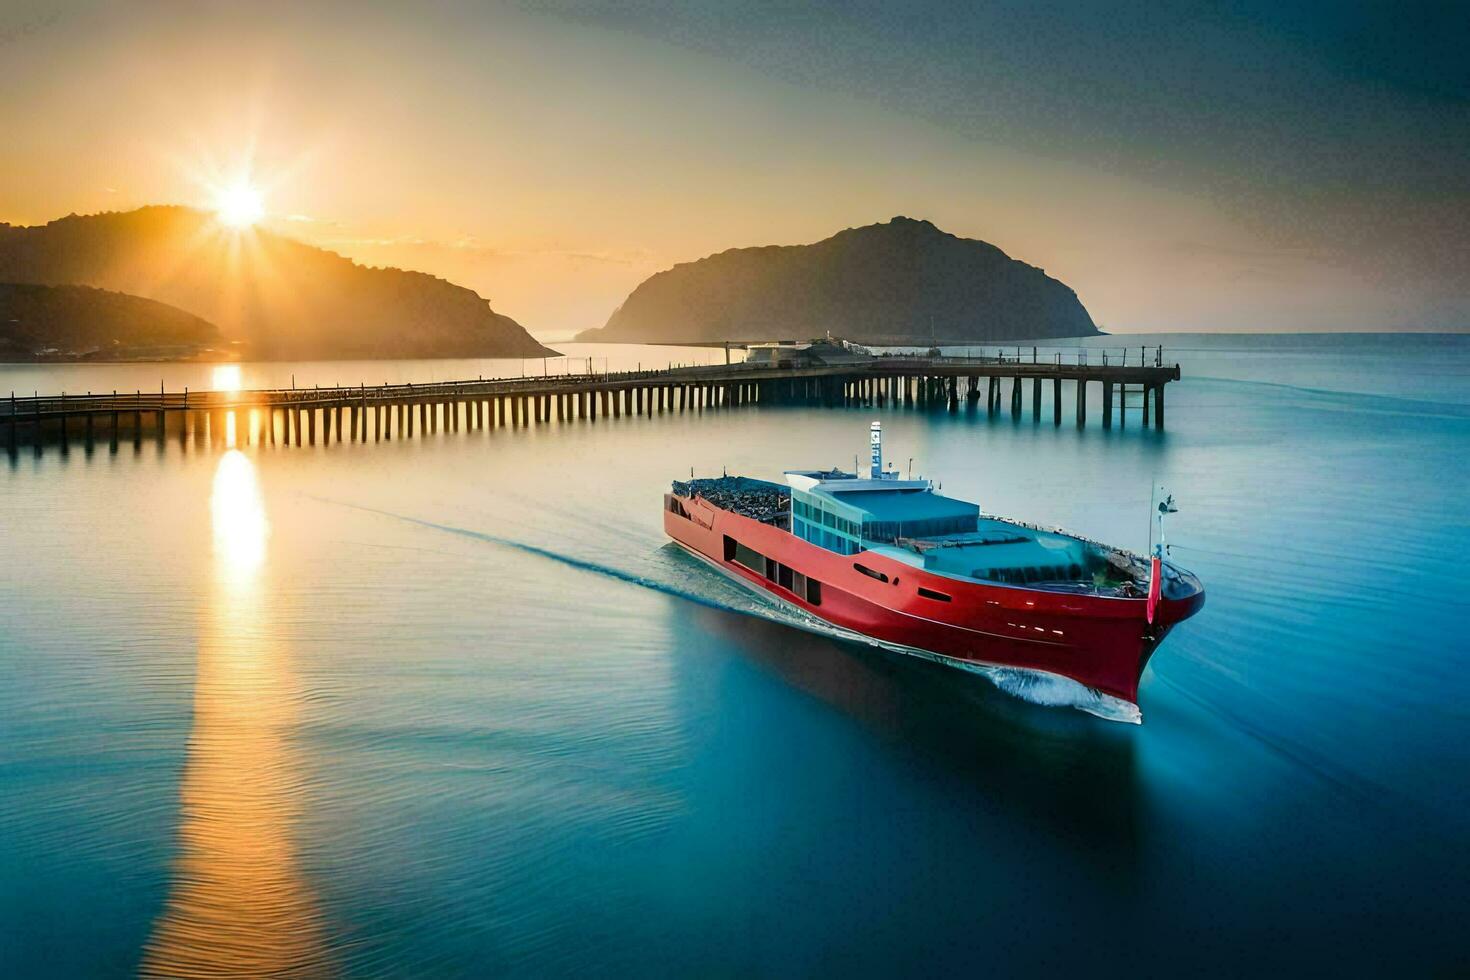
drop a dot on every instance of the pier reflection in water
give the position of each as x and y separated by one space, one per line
238 904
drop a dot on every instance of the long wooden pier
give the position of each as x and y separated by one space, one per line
306 416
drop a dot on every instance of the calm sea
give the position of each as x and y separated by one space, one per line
453 706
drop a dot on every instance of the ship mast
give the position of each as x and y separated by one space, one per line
875 439
1166 507
1160 548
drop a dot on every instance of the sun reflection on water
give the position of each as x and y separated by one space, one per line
237 515
238 904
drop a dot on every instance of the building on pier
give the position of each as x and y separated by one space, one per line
826 352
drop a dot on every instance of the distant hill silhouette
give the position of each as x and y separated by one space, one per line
82 322
900 282
281 298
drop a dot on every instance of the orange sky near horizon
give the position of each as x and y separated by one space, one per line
552 164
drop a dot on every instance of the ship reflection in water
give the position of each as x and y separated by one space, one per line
238 903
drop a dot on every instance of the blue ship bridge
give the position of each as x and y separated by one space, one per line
842 513
907 521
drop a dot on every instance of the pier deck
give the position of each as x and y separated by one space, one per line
293 416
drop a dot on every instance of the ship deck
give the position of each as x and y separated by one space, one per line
759 500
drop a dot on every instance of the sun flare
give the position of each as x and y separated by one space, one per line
226 377
239 205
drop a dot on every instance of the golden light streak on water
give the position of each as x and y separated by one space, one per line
238 904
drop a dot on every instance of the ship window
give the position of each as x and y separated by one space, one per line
750 558
814 592
931 594
741 555
798 584
784 576
677 508
870 573
773 568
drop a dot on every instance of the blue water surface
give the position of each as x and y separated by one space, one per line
454 706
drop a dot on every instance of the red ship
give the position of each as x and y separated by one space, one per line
930 575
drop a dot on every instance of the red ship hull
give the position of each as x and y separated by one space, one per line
1102 642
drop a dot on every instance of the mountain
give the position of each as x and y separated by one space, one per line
900 282
82 322
280 298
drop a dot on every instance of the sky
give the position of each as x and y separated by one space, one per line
1261 166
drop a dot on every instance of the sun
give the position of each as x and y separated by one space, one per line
239 205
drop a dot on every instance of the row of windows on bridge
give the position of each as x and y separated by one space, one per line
823 538
807 511
828 529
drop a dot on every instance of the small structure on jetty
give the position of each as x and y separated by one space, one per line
815 353
292 416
